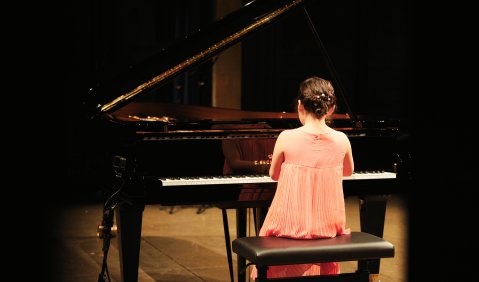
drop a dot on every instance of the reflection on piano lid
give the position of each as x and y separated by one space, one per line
191 120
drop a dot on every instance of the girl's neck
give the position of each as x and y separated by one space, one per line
314 125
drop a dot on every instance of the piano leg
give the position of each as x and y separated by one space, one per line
227 242
129 218
241 229
241 232
260 215
372 213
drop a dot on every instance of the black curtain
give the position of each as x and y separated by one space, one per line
104 39
369 45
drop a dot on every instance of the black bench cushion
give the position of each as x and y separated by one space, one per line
264 251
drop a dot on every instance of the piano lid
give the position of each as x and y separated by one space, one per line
176 118
188 52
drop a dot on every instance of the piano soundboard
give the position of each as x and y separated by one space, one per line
248 179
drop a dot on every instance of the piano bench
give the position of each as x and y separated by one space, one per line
357 246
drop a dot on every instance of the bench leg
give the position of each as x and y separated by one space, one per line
365 265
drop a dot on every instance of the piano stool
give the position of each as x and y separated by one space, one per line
357 246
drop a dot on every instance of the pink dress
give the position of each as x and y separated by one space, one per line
309 200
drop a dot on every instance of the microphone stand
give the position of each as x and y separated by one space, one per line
107 220
106 235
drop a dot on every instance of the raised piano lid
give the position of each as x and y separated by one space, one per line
117 99
109 96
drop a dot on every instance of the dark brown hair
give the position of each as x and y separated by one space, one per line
317 95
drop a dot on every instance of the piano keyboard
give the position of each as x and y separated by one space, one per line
247 179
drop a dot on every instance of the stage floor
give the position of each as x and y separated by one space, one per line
186 243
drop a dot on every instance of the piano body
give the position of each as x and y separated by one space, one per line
171 154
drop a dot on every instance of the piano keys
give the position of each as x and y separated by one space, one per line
255 179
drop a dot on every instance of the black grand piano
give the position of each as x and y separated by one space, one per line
170 153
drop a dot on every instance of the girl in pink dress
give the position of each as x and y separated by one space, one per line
309 163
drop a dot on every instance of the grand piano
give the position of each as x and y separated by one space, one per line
168 153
